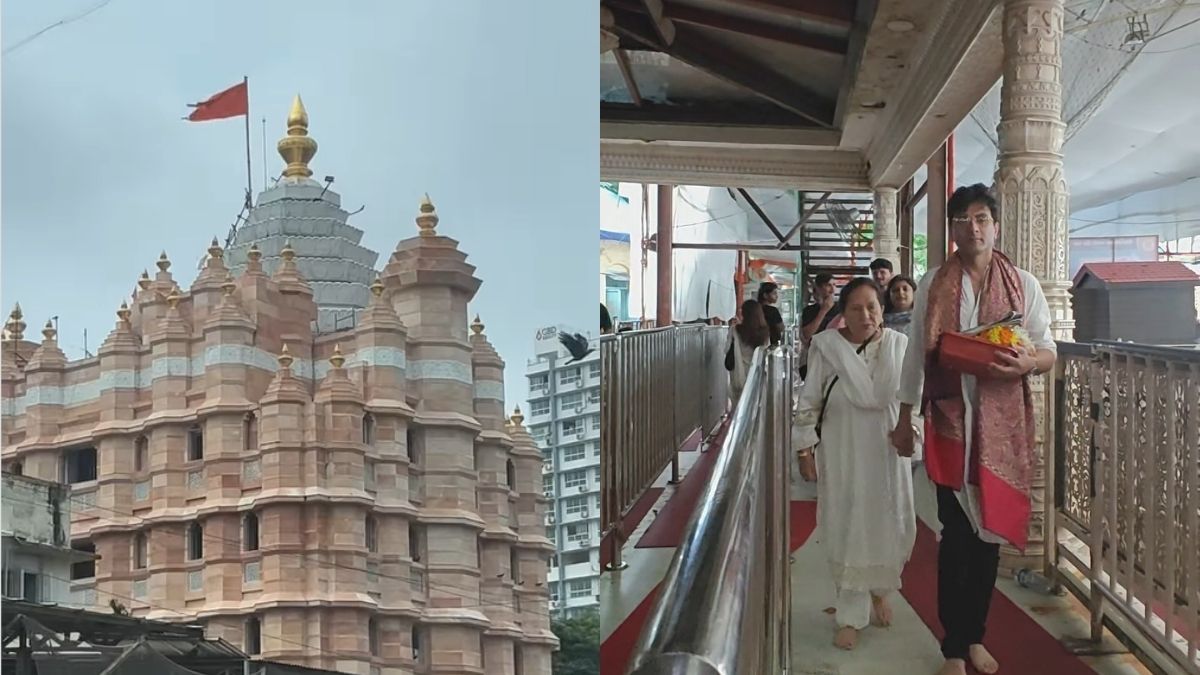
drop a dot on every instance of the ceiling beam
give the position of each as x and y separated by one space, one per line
832 12
731 67
662 25
762 216
704 18
864 15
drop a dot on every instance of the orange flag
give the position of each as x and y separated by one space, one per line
232 102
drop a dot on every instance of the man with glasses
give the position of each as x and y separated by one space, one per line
979 431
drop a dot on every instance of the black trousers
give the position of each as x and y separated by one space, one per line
966 577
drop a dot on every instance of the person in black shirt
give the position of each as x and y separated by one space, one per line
768 295
817 316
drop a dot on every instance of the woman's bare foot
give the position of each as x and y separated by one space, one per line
953 667
881 614
846 637
982 659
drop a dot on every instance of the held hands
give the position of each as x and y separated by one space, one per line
904 438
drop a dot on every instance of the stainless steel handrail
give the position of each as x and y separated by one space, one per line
724 605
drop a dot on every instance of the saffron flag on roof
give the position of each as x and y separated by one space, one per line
232 102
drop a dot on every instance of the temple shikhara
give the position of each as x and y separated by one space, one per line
307 456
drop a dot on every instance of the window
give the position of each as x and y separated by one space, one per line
84 569
578 532
253 632
140 549
548 484
22 584
410 442
372 536
571 400
554 592
595 423
551 533
575 558
574 505
593 397
79 465
539 382
368 429
369 474
573 453
595 449
568 376
141 454
510 473
414 542
250 433
574 479
195 541
594 370
514 564
572 427
373 636
416 643
195 443
16 469
250 532
539 407
579 588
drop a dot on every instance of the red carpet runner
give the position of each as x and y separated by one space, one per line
1013 637
668 527
616 650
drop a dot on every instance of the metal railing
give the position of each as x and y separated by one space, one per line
725 603
1127 491
657 387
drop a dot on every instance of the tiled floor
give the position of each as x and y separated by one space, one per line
907 647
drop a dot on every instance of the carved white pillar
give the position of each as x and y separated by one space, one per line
887 226
1033 201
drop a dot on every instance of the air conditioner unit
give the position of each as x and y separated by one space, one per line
584 513
579 408
583 488
550 518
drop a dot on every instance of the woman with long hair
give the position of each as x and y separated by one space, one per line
748 333
849 404
768 295
898 303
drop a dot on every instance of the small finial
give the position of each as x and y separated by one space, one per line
144 280
377 286
16 324
288 253
517 417
427 220
123 313
337 360
254 254
49 332
175 296
16 314
229 285
164 263
214 249
285 357
477 326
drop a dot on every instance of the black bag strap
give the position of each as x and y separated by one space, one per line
829 388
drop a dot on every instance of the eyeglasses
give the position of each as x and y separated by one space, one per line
981 220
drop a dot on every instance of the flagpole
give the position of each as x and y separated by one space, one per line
249 180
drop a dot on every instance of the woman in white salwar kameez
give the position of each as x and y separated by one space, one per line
865 514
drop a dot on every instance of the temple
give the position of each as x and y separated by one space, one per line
307 456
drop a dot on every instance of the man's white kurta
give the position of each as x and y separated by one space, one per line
912 380
865 510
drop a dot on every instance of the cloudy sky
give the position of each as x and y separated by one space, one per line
490 107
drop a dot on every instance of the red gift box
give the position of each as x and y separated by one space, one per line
969 355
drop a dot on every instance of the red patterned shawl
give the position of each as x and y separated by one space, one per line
1002 458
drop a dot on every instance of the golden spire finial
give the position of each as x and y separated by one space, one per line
517 417
297 149
288 253
477 326
174 297
337 360
254 254
49 332
124 313
214 249
377 286
229 285
427 220
285 357
144 281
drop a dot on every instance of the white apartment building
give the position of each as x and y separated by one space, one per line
38 561
564 419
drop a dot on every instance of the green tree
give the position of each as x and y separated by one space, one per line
578 644
920 255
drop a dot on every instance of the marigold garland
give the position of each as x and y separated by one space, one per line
1006 336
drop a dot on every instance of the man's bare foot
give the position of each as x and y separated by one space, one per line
953 667
881 614
982 659
846 637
